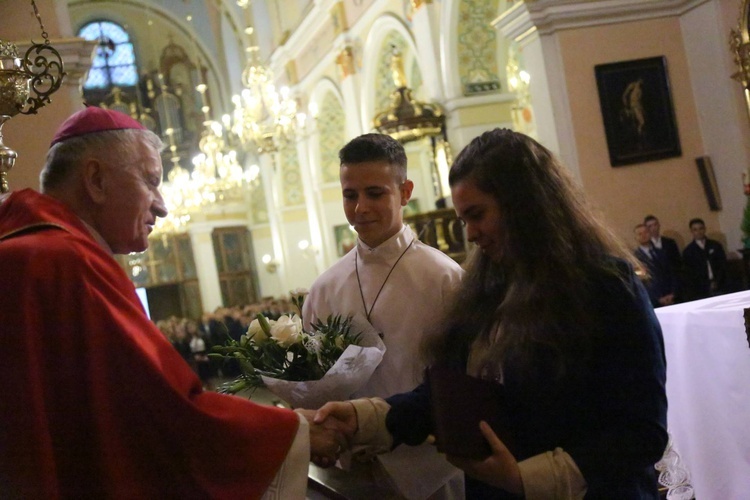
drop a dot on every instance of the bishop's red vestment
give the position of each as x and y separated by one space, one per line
95 402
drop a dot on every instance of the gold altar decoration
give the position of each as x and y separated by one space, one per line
408 119
740 44
25 86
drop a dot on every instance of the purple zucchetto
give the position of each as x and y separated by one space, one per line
93 119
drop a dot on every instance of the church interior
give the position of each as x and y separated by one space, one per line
646 102
253 100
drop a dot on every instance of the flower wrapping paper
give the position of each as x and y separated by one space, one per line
350 372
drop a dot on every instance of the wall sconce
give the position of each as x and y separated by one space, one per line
308 250
271 264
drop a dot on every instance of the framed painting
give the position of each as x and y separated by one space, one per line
708 179
346 239
637 110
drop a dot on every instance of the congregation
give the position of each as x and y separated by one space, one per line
194 339
671 276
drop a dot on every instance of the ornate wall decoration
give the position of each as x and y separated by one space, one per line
291 178
332 128
477 47
345 62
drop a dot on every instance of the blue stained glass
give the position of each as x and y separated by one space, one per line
99 60
98 79
90 31
123 55
110 67
124 75
114 32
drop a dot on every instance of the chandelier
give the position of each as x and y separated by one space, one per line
263 120
263 117
40 74
216 169
217 176
180 193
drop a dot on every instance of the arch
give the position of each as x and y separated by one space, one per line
324 86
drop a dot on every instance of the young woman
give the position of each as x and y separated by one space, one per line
551 308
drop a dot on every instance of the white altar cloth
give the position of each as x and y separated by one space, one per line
708 388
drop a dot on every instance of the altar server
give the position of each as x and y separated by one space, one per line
397 282
96 403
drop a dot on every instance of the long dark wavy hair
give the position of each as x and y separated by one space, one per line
531 306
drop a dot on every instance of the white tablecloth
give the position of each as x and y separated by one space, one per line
708 387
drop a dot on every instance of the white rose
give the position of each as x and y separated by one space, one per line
287 331
255 332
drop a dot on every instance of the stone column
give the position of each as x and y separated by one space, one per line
426 29
205 265
350 89
267 172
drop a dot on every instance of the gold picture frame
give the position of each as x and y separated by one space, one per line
740 44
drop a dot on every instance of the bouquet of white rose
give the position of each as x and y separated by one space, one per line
305 369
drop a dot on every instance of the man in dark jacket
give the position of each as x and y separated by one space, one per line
705 264
668 248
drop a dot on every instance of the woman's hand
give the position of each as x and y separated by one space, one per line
340 416
499 469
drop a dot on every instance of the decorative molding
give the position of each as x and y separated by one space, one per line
478 100
548 16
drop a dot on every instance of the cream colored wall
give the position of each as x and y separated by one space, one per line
670 188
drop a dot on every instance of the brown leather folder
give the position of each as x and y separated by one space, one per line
459 403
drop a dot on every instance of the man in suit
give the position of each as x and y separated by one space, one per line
660 283
705 264
668 247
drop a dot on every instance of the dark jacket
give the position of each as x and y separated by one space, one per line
610 417
661 280
696 282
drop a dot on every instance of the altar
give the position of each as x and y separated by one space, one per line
708 388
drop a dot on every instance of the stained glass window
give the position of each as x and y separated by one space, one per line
114 60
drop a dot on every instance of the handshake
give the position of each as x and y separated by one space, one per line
332 428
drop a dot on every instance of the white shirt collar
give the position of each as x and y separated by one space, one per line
393 247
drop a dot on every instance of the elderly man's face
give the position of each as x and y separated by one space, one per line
133 199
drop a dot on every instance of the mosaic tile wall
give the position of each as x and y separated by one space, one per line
332 127
477 46
291 179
